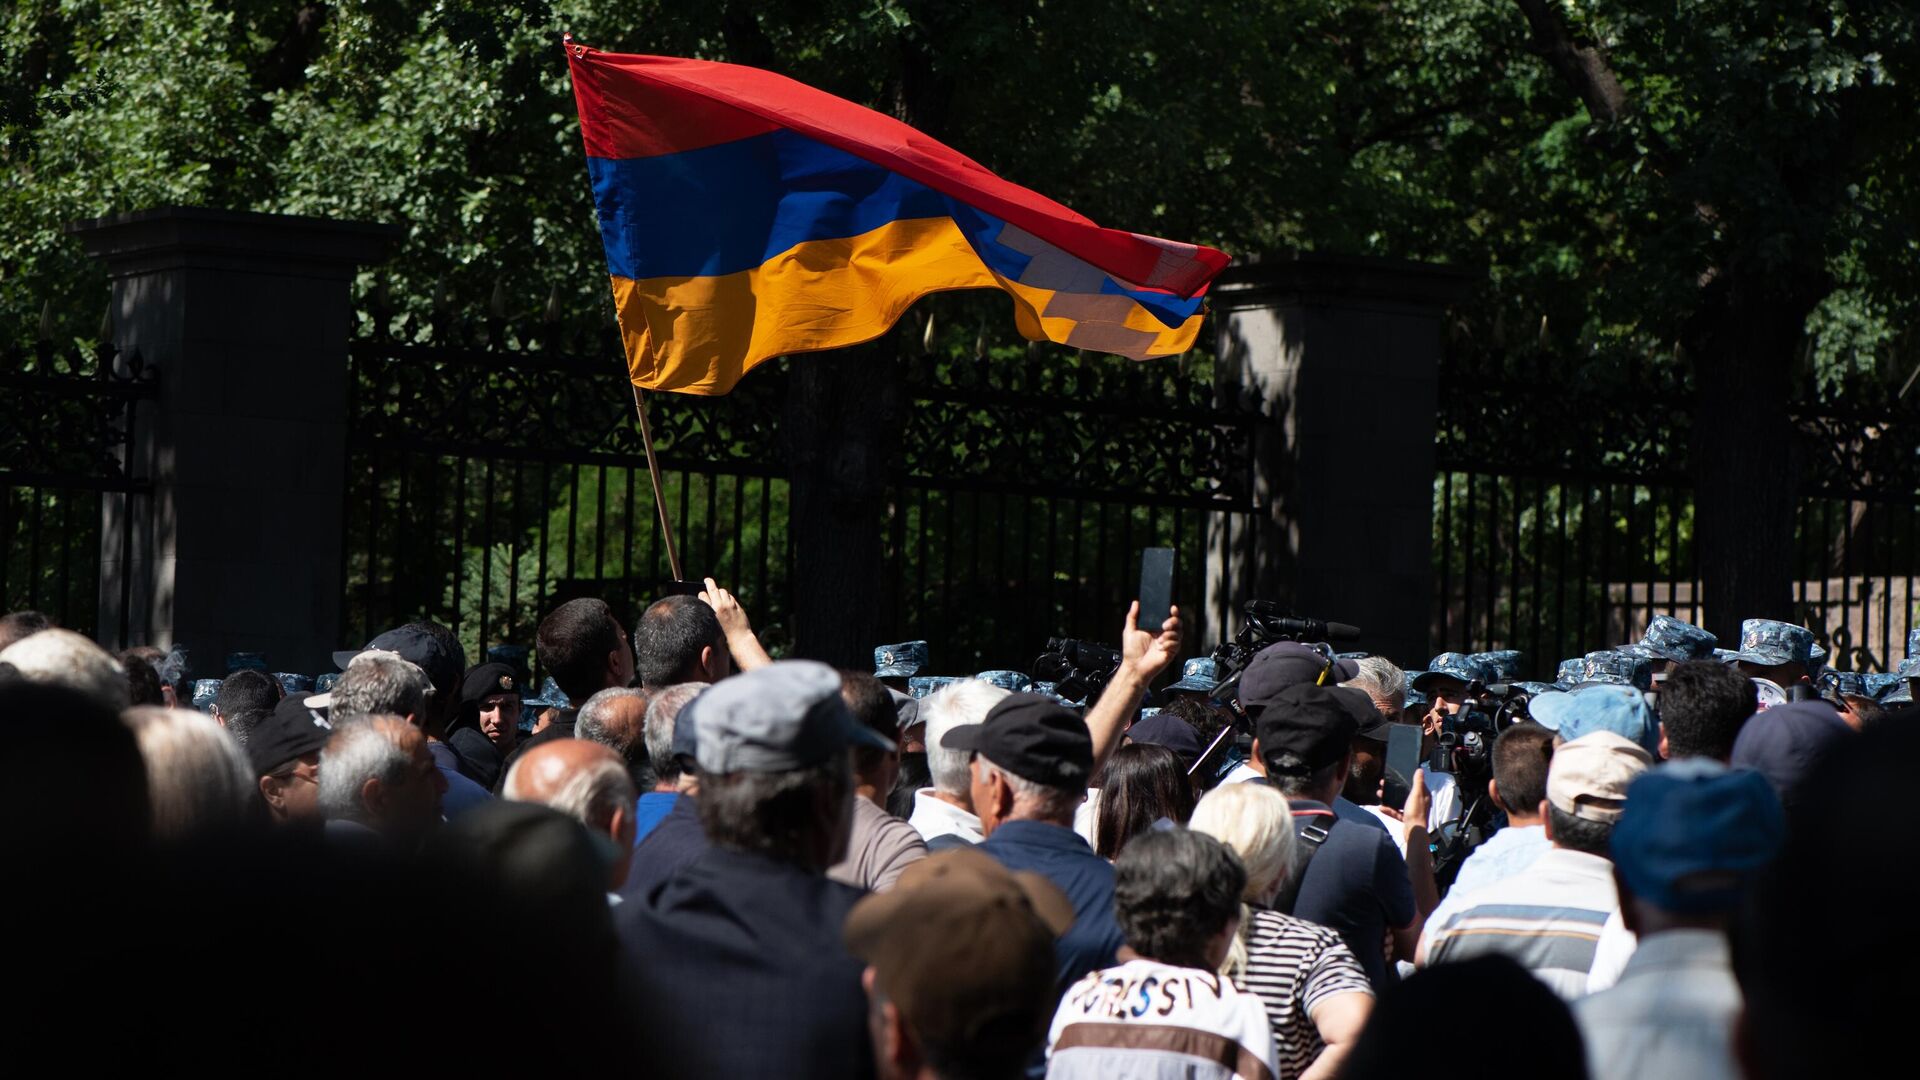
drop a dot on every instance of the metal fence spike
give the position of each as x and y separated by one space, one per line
46 322
497 304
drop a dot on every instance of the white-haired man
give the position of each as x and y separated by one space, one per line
588 782
944 813
377 779
64 658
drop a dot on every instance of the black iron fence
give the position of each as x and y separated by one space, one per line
66 438
1563 510
494 471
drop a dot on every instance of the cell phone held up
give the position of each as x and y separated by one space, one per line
1403 759
1156 588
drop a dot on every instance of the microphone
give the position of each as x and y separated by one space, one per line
1278 618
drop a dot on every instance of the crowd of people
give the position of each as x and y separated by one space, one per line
685 858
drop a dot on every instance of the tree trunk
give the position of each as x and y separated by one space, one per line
1742 340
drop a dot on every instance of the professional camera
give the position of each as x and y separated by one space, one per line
1077 669
1465 749
1266 623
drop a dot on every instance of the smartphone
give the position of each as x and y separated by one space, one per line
1403 757
1156 588
683 588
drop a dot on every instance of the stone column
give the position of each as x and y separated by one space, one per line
1343 355
248 317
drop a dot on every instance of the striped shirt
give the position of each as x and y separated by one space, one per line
1292 966
1145 1020
1547 918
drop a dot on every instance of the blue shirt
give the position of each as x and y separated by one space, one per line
1356 886
1505 854
462 794
1347 810
672 844
1060 855
649 811
736 968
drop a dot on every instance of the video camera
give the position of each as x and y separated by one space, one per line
1465 742
1266 623
1077 669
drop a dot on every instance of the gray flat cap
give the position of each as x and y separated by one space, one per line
785 716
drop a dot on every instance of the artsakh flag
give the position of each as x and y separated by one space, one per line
747 216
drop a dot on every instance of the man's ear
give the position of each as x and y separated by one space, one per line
1493 792
623 826
373 796
1546 819
897 1041
270 792
706 662
1665 752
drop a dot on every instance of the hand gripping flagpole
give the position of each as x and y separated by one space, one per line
653 472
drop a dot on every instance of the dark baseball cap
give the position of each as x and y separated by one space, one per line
1168 730
1032 736
1285 664
1372 723
1695 833
289 733
964 947
1785 744
1313 722
416 646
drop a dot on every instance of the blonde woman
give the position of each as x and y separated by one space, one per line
1316 994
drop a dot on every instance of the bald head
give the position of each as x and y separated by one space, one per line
585 781
617 718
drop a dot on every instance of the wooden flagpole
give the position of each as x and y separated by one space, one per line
659 496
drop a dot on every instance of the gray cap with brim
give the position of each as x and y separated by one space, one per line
786 716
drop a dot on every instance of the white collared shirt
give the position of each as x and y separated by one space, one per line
934 816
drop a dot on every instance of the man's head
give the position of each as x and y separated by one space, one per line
1032 760
584 649
436 651
616 718
1369 761
1787 743
672 767
1703 706
586 781
1587 789
1622 710
960 971
490 696
15 625
284 751
1176 894
1692 839
76 790
197 777
775 775
1521 757
376 683
64 658
958 705
1779 651
377 772
867 697
245 691
1304 736
1287 664
143 682
241 725
1383 683
1447 679
679 640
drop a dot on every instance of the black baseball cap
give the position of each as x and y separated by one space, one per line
289 733
1284 664
1313 722
417 647
1033 737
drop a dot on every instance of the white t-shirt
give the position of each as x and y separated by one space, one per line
1145 1020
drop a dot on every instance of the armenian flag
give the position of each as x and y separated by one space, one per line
747 216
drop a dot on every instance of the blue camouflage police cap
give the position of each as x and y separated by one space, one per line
1816 659
1199 674
1913 642
1017 681
1416 699
1842 684
1537 688
242 661
291 683
550 696
1617 667
1671 639
1505 663
1570 672
204 691
1453 665
1768 642
921 685
1878 684
900 661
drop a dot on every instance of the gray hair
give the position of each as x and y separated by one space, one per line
953 706
368 750
64 658
1037 801
591 722
590 796
1380 679
662 711
377 683
198 779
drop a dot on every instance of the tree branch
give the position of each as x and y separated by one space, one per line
1581 66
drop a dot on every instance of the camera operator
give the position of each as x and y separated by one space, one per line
1277 667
